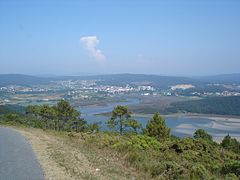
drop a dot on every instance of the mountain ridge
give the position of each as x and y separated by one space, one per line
121 79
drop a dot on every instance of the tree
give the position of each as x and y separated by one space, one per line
231 144
59 117
134 124
157 128
226 142
76 124
119 118
33 110
65 111
48 114
94 127
67 115
202 134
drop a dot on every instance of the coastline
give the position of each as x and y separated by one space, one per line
219 125
215 117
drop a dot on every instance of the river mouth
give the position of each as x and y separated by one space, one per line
181 125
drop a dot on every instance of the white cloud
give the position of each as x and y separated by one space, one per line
90 42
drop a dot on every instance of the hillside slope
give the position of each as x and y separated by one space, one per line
110 156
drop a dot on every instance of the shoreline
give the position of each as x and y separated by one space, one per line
215 117
228 123
192 115
229 119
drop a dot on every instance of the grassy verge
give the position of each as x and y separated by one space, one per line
105 155
67 156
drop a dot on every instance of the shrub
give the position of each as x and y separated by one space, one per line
168 170
231 176
157 128
202 134
232 167
11 117
144 142
198 171
94 127
231 144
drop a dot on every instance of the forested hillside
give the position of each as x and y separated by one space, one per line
210 105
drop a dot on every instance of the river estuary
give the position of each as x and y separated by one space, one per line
181 126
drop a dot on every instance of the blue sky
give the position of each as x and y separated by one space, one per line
152 36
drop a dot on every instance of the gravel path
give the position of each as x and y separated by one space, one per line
17 160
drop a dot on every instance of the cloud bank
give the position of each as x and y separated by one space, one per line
90 42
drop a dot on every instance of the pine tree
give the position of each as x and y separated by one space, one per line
157 128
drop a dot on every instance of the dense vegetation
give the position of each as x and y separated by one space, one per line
210 105
151 150
171 158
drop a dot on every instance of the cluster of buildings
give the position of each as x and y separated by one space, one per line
106 90
92 85
79 87
120 89
23 89
224 93
86 89
15 88
71 84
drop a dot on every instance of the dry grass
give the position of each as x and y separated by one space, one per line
64 157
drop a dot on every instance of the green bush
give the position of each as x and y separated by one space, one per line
231 144
232 167
231 176
144 142
202 134
198 171
168 170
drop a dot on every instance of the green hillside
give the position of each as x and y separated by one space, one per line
210 105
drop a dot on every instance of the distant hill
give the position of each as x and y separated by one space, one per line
113 79
20 79
140 79
222 78
136 79
122 79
